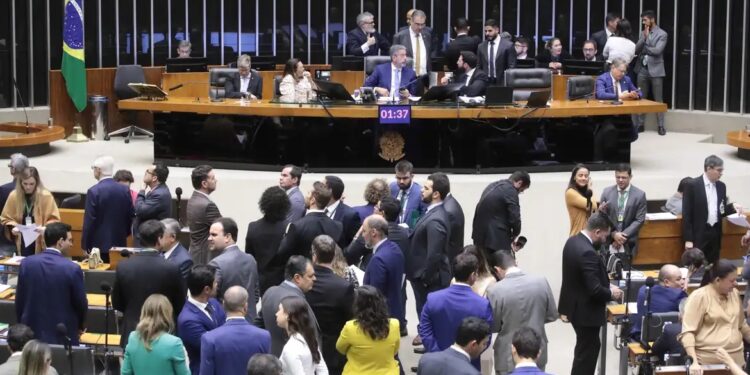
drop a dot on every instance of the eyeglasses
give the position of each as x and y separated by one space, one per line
149 172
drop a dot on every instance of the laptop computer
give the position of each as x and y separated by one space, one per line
499 95
332 90
538 99
440 92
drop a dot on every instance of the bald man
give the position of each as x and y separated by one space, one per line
665 296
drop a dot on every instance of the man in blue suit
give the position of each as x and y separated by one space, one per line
408 193
526 348
154 202
665 297
616 85
227 349
472 337
172 250
394 79
385 271
50 289
201 313
446 309
109 211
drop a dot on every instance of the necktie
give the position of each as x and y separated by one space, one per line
492 59
618 90
621 204
468 77
403 197
418 56
396 84
210 311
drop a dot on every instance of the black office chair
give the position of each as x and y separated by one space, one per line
580 87
127 74
277 86
73 201
372 61
525 81
218 78
92 281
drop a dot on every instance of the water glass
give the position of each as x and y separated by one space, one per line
357 95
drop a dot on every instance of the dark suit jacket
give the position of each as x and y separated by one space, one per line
156 205
364 211
461 43
360 255
5 190
447 362
477 85
192 324
50 291
266 318
107 217
414 206
181 258
456 215
331 298
227 349
381 77
605 89
235 267
350 222
695 211
262 241
232 86
201 213
667 342
600 37
136 279
427 261
356 38
385 271
403 38
300 234
505 58
497 217
585 285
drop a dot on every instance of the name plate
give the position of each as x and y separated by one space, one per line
394 114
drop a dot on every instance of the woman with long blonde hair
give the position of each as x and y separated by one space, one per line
151 348
30 203
36 359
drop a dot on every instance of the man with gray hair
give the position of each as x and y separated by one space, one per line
227 349
17 163
264 364
184 49
418 42
172 250
615 85
364 40
393 79
247 83
109 211
704 203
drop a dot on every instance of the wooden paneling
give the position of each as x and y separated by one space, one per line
352 80
74 218
194 85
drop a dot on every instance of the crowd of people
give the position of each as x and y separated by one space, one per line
293 302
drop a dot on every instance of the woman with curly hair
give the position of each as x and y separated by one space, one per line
370 341
301 354
264 236
376 190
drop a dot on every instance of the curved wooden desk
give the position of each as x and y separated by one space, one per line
33 140
741 140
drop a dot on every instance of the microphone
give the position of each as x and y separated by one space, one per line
178 191
62 330
125 253
105 287
650 282
403 87
23 105
649 285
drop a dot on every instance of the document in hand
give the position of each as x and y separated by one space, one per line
29 233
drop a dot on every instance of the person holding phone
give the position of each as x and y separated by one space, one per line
579 199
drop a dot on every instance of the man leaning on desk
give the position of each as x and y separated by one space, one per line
246 82
394 79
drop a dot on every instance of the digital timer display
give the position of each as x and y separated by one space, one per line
394 114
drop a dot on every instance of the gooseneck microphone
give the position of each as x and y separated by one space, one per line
178 191
23 105
62 330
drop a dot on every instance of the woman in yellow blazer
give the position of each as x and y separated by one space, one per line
370 341
29 203
579 199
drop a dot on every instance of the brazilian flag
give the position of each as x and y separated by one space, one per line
73 65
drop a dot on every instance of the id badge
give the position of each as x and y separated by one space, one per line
28 220
620 218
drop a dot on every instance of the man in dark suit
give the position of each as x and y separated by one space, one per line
497 217
385 271
246 83
17 163
408 193
201 212
289 180
359 254
701 226
591 51
341 212
300 277
227 349
474 80
665 297
456 215
109 212
394 79
154 202
233 266
201 313
144 274
585 290
445 309
331 299
364 40
172 250
417 41
264 236
463 42
615 84
526 348
300 234
601 36
626 208
427 264
472 338
50 289
495 54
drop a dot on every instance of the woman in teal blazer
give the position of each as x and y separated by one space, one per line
151 349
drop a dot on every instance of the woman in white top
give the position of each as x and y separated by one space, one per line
620 45
296 86
301 354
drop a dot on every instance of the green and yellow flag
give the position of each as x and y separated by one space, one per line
73 65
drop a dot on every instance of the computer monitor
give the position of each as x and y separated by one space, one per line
187 64
499 95
332 90
83 360
583 67
348 63
656 325
265 63
538 99
525 63
438 93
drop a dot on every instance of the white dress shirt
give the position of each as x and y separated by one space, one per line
168 253
712 201
422 67
244 83
296 358
617 46
469 74
200 305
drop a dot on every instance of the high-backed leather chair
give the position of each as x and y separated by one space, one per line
125 75
218 78
372 61
524 81
580 87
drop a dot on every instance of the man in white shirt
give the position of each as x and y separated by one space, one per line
246 84
495 54
590 51
474 80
